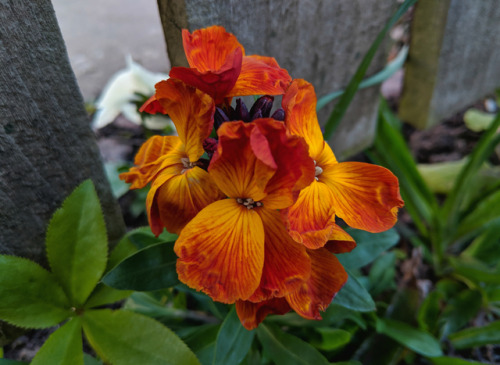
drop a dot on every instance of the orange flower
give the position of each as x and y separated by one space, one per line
220 68
238 248
365 196
180 187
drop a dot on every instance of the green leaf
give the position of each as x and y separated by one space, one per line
353 295
351 89
445 360
332 338
419 341
475 271
103 295
382 274
77 245
64 346
386 73
89 360
12 362
369 247
477 120
30 295
201 340
477 336
151 268
118 186
233 341
484 248
429 311
285 349
124 338
461 308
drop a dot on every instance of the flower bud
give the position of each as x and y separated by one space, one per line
219 118
210 145
264 104
241 112
279 114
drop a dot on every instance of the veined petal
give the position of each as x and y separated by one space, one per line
243 163
251 314
286 263
176 197
207 49
327 278
260 75
150 159
221 251
365 196
295 169
340 241
152 106
192 112
312 217
299 103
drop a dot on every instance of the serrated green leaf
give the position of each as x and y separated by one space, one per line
103 294
233 341
30 295
77 245
128 338
419 341
445 360
353 295
477 336
285 349
369 247
63 347
151 268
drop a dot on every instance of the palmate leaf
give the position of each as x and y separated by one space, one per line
77 243
151 268
30 296
64 346
233 341
285 349
128 338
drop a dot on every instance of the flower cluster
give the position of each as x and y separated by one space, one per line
255 204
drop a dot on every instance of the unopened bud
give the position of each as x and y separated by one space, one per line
219 118
279 114
210 145
264 104
241 111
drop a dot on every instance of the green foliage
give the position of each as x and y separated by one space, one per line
472 337
354 295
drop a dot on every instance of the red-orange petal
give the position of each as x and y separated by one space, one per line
152 106
176 197
327 278
192 112
365 196
311 219
150 160
221 251
340 241
251 314
259 76
243 163
286 263
299 103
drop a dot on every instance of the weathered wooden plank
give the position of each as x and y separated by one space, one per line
321 41
46 145
453 60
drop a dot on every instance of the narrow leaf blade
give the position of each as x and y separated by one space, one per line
77 243
478 336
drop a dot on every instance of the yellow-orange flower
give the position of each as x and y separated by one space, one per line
238 248
365 196
180 187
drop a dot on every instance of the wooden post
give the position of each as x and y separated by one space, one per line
321 41
46 145
453 60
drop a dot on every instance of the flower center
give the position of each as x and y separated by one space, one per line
187 164
249 203
317 171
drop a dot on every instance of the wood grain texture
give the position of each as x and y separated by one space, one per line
462 65
46 145
322 41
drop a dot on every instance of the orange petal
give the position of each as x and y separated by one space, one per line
312 218
286 263
192 112
150 160
327 278
340 241
207 49
251 314
295 169
243 163
299 103
221 251
175 197
365 196
152 106
259 76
